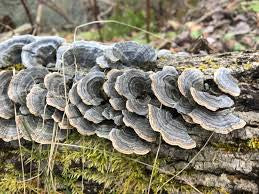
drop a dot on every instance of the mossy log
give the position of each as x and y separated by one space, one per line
219 163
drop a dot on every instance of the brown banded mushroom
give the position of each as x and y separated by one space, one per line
55 84
90 88
211 102
38 130
8 130
226 82
164 86
22 83
140 125
127 142
42 52
190 78
133 83
83 126
7 107
36 102
220 121
172 130
10 50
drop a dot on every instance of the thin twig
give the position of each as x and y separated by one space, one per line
27 10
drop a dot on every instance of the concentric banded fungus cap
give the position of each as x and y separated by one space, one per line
8 131
42 52
36 102
103 130
34 128
118 103
10 50
111 114
127 142
6 108
183 106
54 82
211 102
172 130
133 83
140 125
22 82
108 85
164 86
226 82
132 53
81 53
190 78
94 114
90 88
75 118
138 106
220 121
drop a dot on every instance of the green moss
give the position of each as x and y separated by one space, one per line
17 67
253 143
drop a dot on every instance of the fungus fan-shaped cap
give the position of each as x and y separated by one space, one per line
111 114
8 130
38 130
220 121
183 106
172 130
132 53
10 50
90 88
226 82
6 108
118 103
94 114
42 52
164 86
127 142
103 130
190 78
140 125
211 102
138 105
76 119
109 84
133 83
23 81
36 102
108 54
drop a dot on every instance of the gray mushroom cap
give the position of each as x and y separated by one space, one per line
7 107
138 106
42 52
89 88
22 82
133 83
132 53
172 130
36 102
190 78
220 121
140 125
94 114
8 130
164 86
118 103
111 114
83 126
211 102
34 128
226 82
10 50
103 130
108 85
127 142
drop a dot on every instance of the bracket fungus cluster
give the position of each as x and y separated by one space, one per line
94 88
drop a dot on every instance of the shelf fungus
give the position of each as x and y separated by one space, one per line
38 130
139 105
23 81
10 50
7 107
90 88
42 52
111 114
164 86
132 53
133 83
140 125
190 78
211 102
77 120
127 142
94 114
103 130
226 82
220 121
8 130
172 130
